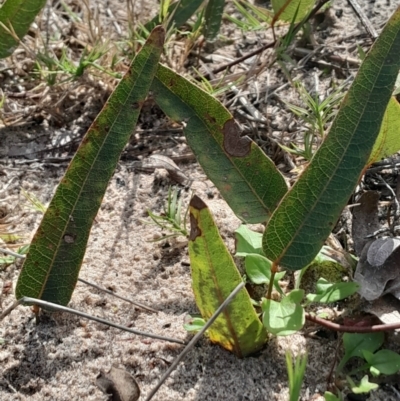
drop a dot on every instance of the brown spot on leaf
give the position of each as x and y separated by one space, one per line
85 140
95 127
137 106
194 228
197 203
157 36
211 119
69 238
234 144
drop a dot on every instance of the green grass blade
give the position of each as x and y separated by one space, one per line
17 16
247 179
309 211
213 18
214 276
52 266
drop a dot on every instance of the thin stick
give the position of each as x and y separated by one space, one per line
10 309
194 340
59 308
243 58
11 253
364 19
139 305
271 44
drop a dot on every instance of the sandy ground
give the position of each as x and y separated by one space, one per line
60 358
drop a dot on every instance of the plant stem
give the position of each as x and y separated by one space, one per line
352 329
274 269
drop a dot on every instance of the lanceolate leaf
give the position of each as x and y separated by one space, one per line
285 10
214 277
388 141
247 179
51 269
306 215
186 8
213 18
17 16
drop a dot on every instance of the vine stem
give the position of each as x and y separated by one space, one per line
352 329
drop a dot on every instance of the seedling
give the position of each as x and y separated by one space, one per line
295 374
364 387
366 347
11 256
171 220
317 113
34 202
68 69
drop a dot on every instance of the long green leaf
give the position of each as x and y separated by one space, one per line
186 8
285 10
247 179
17 16
52 267
309 211
213 18
214 276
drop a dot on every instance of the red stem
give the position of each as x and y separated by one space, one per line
352 329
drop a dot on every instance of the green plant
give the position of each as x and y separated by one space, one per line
295 374
364 387
171 220
332 397
316 114
50 67
298 220
10 256
34 202
366 347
